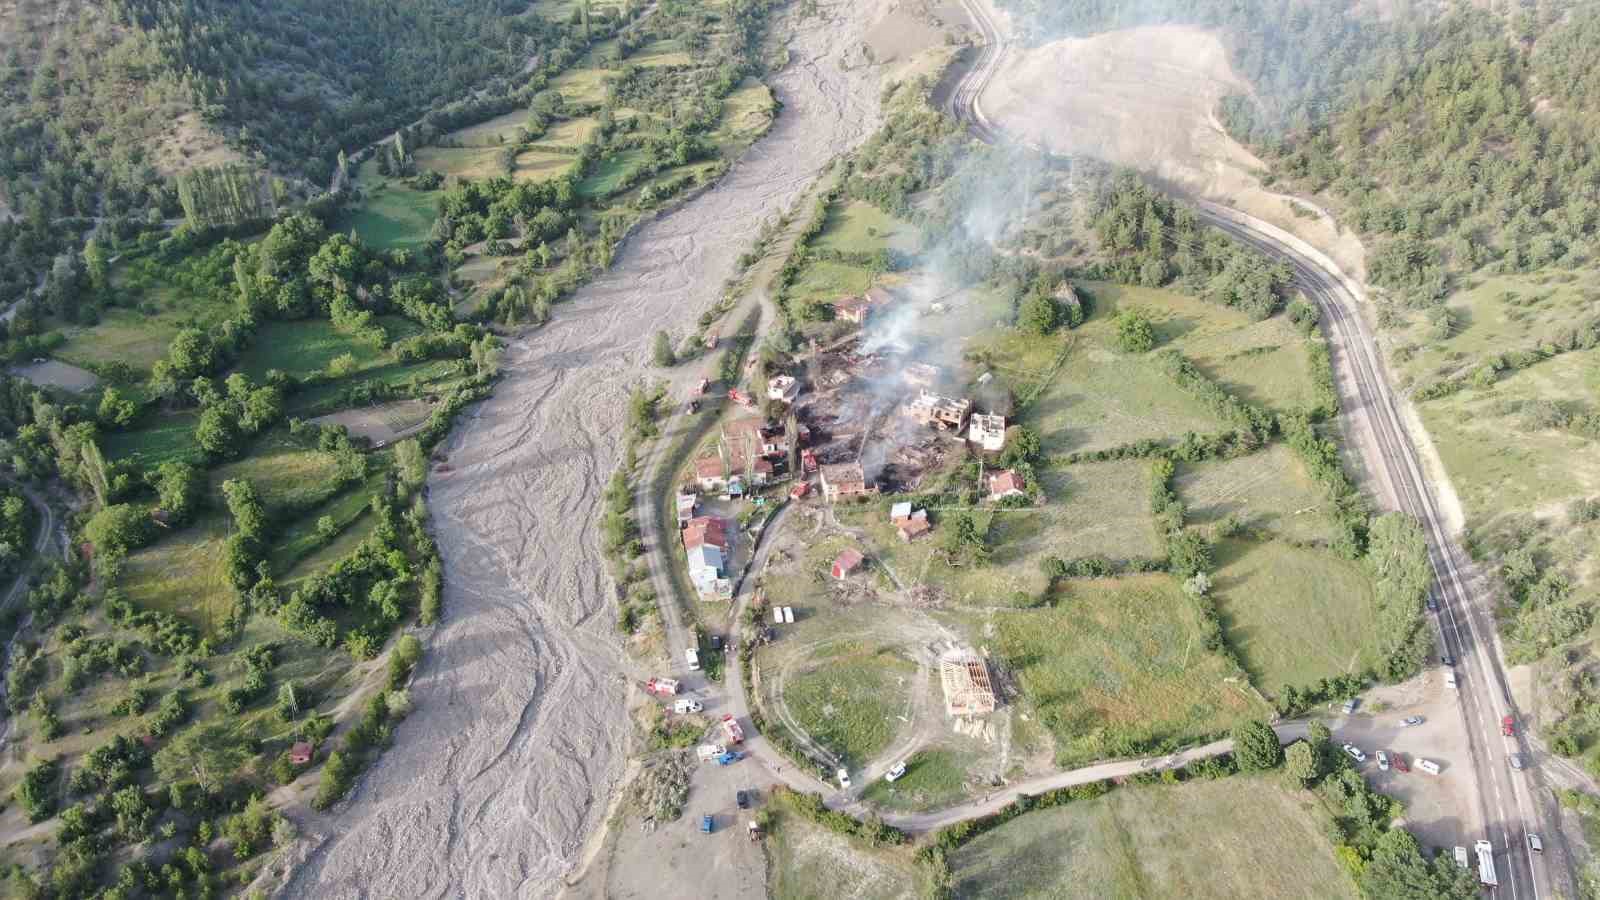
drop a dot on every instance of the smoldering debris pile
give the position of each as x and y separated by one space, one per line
864 407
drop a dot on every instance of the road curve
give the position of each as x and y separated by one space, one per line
1465 621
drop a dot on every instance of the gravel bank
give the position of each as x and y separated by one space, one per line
519 733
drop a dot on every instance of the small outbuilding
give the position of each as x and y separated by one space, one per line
847 563
300 753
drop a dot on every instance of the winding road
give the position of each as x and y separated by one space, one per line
1507 811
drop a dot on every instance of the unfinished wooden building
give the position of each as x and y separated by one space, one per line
967 690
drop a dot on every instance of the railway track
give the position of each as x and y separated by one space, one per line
1506 808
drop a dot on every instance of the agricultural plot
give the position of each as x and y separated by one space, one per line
934 778
850 699
1104 398
1294 614
160 439
1118 667
746 113
491 133
392 215
185 574
582 85
825 280
538 165
138 337
569 133
859 227
1161 841
1268 491
305 347
282 471
666 52
609 174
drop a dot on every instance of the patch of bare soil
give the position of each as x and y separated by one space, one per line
188 143
51 373
383 423
1147 98
520 729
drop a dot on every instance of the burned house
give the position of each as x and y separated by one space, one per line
921 376
747 439
987 432
967 689
933 410
844 480
879 296
783 388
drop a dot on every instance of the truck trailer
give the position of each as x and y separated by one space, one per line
1486 864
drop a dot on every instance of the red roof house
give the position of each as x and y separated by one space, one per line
847 562
703 530
300 753
1006 484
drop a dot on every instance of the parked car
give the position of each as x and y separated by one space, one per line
1429 766
1517 762
844 779
894 773
708 824
1411 721
1351 704
1400 763
1461 857
1383 761
1433 605
1355 753
1508 726
742 798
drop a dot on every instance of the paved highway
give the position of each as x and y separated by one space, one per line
1507 809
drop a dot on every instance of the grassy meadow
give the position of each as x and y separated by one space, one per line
1162 841
1118 667
850 700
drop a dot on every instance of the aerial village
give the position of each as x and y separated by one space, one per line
854 420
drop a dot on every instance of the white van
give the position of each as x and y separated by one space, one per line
1535 844
1429 766
1450 677
692 657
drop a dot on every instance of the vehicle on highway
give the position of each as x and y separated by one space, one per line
1383 761
687 705
742 798
1355 753
1433 604
894 773
1450 677
1447 660
1351 704
708 824
1486 863
1517 762
1400 763
692 657
1411 721
1461 857
844 779
1508 726
1535 844
1429 766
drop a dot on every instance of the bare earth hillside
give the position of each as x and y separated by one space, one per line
1146 98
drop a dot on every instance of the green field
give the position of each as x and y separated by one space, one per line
392 214
135 336
666 52
185 573
160 439
849 702
609 173
538 165
1294 615
825 280
582 85
304 347
569 132
746 113
284 473
1263 362
1229 839
1118 666
860 227
933 779
1268 490
492 133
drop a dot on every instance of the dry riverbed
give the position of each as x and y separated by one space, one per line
520 733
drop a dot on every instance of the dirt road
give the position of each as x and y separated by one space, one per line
519 734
